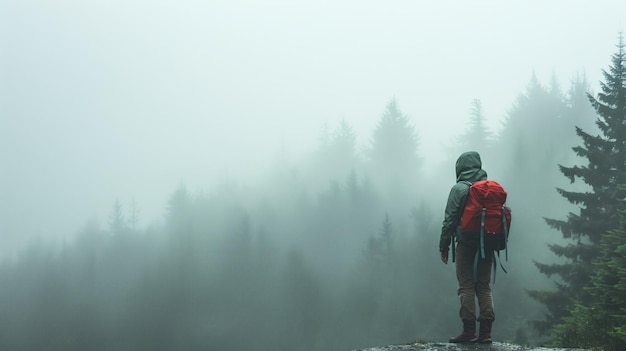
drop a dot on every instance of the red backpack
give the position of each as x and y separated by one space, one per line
486 215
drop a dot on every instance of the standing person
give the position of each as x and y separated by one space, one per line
468 170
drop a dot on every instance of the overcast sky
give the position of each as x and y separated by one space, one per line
126 99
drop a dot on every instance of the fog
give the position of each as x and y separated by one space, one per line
124 100
225 114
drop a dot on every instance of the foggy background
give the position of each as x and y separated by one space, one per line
128 125
124 100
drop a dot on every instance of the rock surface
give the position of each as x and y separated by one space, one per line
496 346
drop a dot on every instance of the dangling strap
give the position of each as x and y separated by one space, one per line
482 233
496 257
500 261
495 267
476 267
506 235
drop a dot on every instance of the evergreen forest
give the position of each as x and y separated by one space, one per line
338 250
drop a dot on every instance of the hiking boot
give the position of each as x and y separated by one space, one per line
486 340
468 334
484 333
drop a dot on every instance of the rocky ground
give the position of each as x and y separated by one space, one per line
496 346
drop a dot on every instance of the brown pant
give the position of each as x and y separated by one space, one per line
468 290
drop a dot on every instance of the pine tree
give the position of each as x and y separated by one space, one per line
579 111
394 161
609 284
340 152
133 216
609 280
477 137
605 158
532 125
601 325
336 157
379 249
117 223
395 144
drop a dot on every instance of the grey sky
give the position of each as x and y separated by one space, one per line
125 99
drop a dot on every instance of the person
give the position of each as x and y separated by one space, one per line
468 170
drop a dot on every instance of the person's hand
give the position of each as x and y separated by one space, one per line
444 257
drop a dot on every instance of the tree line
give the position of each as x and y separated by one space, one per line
338 250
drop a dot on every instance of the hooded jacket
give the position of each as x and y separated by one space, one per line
468 169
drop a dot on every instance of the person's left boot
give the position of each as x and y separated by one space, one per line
484 332
469 333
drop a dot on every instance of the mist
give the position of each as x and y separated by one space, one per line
180 175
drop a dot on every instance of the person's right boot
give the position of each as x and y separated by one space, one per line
484 335
468 334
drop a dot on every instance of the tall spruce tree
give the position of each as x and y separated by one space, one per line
602 324
339 153
605 158
395 144
394 162
477 136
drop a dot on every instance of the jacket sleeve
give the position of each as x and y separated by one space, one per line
458 193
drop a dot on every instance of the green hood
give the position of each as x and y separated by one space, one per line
469 167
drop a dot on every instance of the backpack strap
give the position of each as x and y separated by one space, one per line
480 252
496 261
482 232
495 268
506 234
476 256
